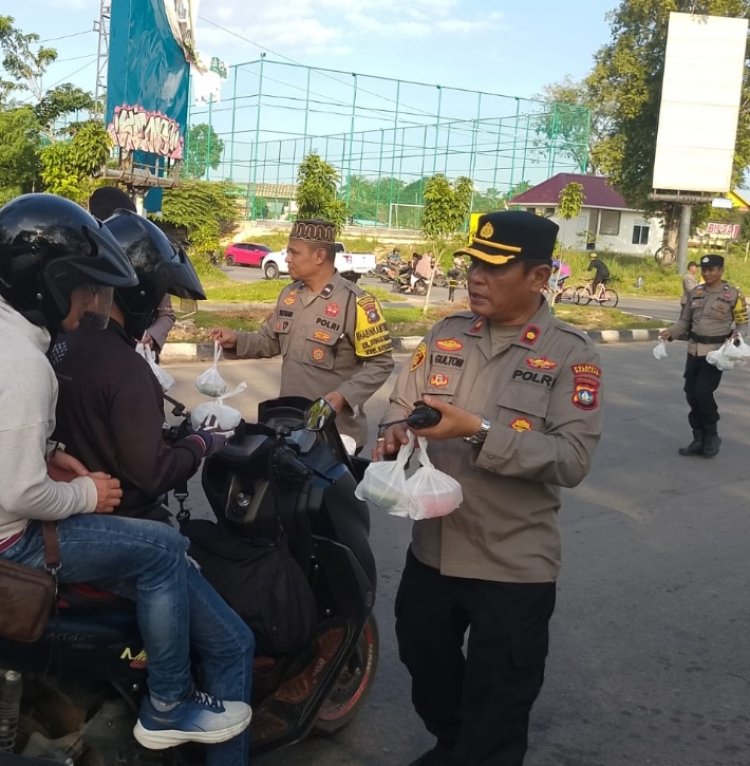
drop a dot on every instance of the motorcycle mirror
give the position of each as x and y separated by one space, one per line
318 414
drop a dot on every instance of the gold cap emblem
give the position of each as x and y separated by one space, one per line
487 231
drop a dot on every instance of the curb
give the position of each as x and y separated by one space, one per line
198 352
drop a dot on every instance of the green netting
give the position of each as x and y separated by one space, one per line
385 137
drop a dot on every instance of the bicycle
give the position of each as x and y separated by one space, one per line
604 296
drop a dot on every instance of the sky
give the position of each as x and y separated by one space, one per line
513 47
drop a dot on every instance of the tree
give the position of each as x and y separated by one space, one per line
203 150
446 206
570 200
566 122
207 210
317 184
22 61
626 84
67 166
59 101
18 152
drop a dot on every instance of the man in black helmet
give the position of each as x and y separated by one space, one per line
58 265
103 203
110 415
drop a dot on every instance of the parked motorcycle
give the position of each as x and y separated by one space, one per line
72 697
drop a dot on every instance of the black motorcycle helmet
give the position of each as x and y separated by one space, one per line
161 267
49 246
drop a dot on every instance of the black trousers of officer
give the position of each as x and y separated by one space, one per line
477 705
701 380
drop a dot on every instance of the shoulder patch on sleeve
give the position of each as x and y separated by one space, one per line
371 336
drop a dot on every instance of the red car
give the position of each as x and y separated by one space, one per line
245 254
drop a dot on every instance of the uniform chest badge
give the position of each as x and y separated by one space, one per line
290 299
322 336
476 328
318 354
530 334
439 380
449 344
540 363
332 309
520 424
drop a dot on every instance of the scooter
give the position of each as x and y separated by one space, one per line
407 282
72 697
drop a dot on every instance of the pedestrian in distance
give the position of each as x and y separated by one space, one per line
712 312
519 393
331 334
689 281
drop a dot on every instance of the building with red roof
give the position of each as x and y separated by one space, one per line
605 222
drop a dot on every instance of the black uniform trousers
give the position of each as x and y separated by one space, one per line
701 380
477 704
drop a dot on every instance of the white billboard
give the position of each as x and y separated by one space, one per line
700 101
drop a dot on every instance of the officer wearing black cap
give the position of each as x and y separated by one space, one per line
712 312
520 397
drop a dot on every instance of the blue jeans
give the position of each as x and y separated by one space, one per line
222 646
152 556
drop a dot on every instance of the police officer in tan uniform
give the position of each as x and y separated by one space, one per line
332 335
520 397
712 312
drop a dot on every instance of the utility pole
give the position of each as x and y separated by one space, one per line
102 56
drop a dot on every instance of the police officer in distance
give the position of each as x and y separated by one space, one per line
712 312
520 397
331 334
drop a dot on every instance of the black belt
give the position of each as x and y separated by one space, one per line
707 338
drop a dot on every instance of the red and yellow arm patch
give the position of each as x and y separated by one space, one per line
586 383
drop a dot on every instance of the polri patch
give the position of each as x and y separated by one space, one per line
332 309
586 383
540 363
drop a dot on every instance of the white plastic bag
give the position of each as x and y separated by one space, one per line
731 351
432 492
660 349
719 357
384 483
221 416
166 381
210 382
742 347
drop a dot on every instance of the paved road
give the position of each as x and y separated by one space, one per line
649 660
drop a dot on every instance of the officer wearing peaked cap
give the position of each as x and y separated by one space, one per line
713 311
520 398
331 334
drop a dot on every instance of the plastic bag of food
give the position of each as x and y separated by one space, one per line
720 358
217 415
432 492
660 349
166 381
210 382
384 483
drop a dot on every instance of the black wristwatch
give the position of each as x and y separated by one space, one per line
481 434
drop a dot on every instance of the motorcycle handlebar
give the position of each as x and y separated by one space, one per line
285 460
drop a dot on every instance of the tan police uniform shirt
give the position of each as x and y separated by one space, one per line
334 340
710 314
542 395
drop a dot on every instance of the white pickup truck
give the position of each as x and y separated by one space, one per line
351 266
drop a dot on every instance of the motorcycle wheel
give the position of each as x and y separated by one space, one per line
353 684
420 287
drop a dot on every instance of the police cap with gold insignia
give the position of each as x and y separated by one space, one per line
512 235
313 231
711 260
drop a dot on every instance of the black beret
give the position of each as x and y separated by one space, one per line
512 235
106 199
711 260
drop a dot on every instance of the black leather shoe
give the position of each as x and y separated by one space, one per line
440 755
711 445
696 446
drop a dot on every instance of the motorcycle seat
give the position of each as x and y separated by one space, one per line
82 595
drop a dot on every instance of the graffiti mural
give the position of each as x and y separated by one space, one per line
134 128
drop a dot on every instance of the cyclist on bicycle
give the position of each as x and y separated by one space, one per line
601 272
